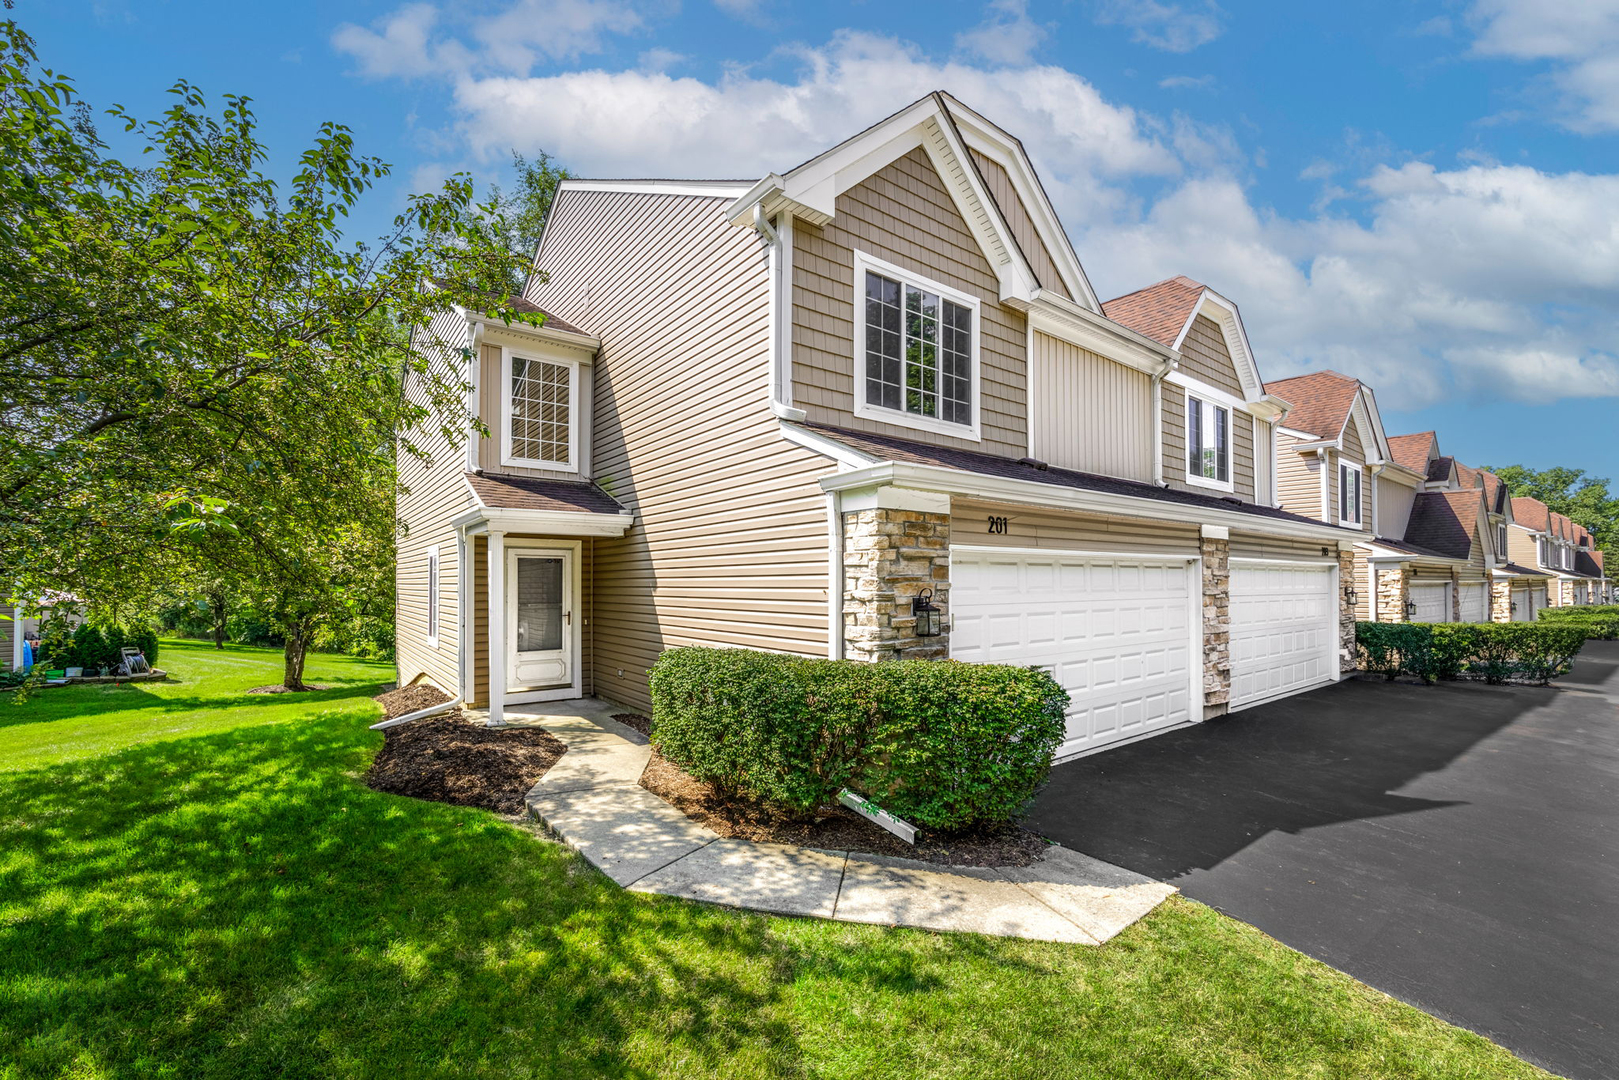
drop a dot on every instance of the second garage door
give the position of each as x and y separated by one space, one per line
1475 599
1284 625
1116 633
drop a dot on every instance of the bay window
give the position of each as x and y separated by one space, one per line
916 344
1208 443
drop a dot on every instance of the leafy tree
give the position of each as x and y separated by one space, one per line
189 334
1571 492
522 214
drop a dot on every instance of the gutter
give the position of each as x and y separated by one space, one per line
419 714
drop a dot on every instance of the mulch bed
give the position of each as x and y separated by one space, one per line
450 759
279 689
636 721
837 828
408 699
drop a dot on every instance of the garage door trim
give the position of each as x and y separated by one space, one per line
1194 604
1332 635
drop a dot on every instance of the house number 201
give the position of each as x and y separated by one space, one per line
997 524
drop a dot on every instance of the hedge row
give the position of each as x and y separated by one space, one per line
1496 652
947 746
63 645
1597 620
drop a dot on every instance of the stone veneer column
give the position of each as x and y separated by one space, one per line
1565 594
1392 592
889 556
1216 554
1455 596
1348 654
1501 601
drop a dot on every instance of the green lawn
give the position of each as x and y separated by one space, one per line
193 883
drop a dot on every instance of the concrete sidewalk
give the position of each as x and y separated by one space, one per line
592 799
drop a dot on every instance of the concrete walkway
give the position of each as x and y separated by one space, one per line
593 800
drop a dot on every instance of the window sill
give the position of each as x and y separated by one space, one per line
1228 486
548 466
918 423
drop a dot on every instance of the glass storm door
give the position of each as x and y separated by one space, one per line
539 618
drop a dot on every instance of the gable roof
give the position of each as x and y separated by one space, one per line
1413 451
1439 468
1159 311
1531 513
945 130
1323 401
1444 521
1495 492
529 493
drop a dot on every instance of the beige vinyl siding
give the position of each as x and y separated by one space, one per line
1035 528
432 493
1430 572
1174 434
730 541
493 395
1522 548
1204 356
1090 413
904 215
8 634
1394 500
1298 478
1364 593
1260 546
1264 459
1022 225
1353 447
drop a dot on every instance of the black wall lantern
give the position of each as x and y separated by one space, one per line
929 621
1351 597
1410 611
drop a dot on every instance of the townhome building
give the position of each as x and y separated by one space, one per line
868 407
1562 550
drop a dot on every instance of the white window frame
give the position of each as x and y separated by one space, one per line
1357 469
863 264
507 354
1501 540
435 575
1206 426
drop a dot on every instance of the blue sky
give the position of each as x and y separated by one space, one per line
1422 195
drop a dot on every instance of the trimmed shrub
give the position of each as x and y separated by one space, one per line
92 647
1495 652
948 746
1599 621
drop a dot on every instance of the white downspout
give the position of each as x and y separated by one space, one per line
1158 424
834 575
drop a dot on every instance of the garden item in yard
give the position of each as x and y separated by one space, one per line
134 662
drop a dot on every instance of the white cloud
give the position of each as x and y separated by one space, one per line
1187 82
1579 38
398 45
1007 36
1172 27
1471 279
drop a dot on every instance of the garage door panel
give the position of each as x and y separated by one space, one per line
1114 634
1283 622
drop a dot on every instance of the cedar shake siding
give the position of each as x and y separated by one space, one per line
431 493
730 541
1017 219
1089 413
903 215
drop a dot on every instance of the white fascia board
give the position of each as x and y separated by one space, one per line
1225 313
543 522
1065 320
845 456
540 335
1033 493
1005 150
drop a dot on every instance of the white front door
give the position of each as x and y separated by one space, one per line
1116 632
539 617
1475 599
1284 630
1432 600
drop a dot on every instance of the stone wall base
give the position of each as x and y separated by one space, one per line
889 558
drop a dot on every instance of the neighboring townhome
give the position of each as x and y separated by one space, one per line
1330 454
1545 540
1434 554
1514 586
868 407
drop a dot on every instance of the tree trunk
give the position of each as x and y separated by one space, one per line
297 644
216 607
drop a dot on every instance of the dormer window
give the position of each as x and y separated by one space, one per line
1349 493
540 422
916 349
1501 541
1208 443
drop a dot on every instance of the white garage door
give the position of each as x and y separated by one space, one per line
1432 601
1115 632
1538 601
1475 599
1523 609
1284 625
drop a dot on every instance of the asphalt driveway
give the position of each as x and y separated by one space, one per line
1456 846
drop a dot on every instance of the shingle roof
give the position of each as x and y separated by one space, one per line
1412 451
1444 521
888 448
551 321
1521 571
1531 513
1585 564
1494 489
1158 311
1321 401
526 493
1439 468
1410 549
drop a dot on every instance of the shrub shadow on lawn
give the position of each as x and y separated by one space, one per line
225 906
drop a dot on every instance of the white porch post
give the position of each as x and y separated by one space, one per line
497 625
16 638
